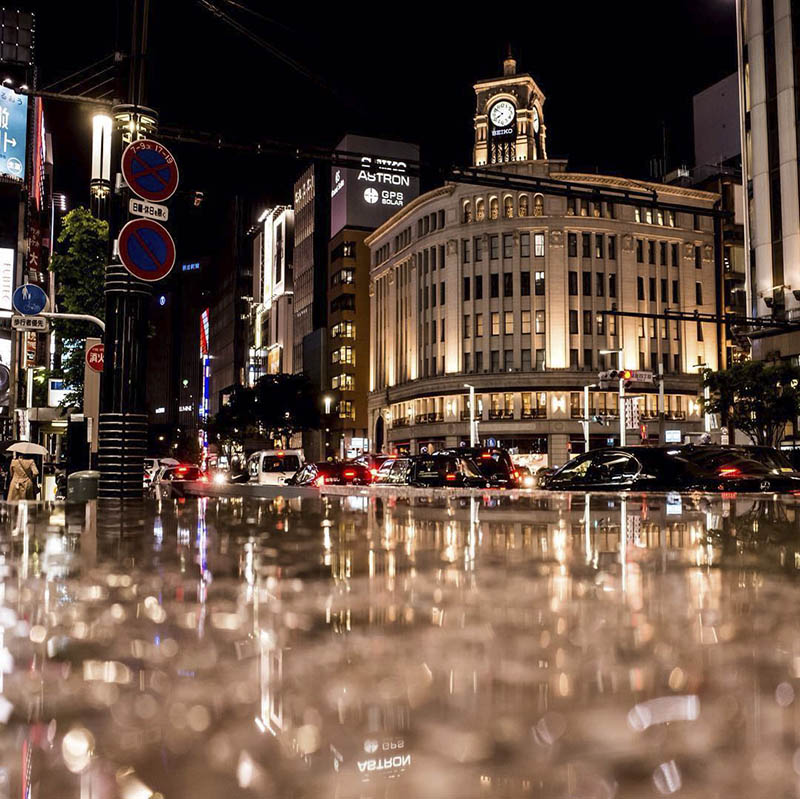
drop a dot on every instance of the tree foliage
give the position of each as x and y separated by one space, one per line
79 267
756 397
276 407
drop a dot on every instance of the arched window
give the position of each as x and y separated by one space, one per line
508 207
467 215
523 205
480 210
494 208
538 205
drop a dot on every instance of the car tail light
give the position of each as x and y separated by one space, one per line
203 478
373 472
320 481
729 471
515 474
486 455
450 476
349 474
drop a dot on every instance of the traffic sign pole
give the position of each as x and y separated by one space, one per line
622 411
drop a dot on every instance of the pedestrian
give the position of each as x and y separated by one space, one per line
23 473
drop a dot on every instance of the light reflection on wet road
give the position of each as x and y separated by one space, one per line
394 646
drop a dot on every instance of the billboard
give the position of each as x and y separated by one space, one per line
6 277
366 197
13 131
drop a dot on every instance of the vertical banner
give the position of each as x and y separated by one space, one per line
13 133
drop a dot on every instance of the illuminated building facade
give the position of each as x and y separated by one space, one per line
505 289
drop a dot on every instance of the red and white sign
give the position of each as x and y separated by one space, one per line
95 357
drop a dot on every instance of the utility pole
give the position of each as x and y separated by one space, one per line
122 428
660 403
586 415
622 411
473 421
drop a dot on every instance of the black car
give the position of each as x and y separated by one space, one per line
439 470
494 463
327 473
691 468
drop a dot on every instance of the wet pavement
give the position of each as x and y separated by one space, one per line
402 645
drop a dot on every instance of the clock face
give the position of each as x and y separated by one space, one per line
502 114
535 120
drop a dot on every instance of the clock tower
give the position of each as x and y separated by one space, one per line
509 124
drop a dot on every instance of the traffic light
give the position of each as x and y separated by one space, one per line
622 374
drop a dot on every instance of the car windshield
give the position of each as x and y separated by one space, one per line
280 463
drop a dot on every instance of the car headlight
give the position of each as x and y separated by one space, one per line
219 477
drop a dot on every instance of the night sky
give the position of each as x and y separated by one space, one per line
612 74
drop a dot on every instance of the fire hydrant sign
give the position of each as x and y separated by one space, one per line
150 170
95 357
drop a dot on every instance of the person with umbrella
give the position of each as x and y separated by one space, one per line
23 471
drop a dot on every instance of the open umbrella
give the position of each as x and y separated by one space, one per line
27 448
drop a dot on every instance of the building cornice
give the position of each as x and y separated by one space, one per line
409 209
661 189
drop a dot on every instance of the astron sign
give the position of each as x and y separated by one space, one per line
366 196
384 763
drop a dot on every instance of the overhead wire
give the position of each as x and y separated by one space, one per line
55 83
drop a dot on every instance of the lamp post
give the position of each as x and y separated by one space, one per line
706 398
618 353
586 416
473 421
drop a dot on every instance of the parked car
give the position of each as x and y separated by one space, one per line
689 468
373 461
171 480
439 470
274 466
494 463
526 477
327 473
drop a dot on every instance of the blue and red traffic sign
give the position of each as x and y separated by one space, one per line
146 249
150 170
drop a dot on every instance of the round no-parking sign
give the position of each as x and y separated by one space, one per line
150 170
146 249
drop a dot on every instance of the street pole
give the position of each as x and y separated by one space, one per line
661 403
586 419
473 421
622 411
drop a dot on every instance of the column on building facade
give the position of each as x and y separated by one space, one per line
556 302
627 326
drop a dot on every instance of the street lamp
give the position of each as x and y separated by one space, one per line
328 400
473 421
585 422
618 353
706 398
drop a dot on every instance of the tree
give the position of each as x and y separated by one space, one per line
79 267
286 404
756 397
234 420
187 448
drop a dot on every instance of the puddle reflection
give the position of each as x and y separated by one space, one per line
391 646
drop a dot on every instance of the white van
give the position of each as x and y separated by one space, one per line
273 466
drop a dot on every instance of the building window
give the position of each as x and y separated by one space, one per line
674 253
676 362
540 322
600 322
587 358
675 296
538 205
466 288
508 364
344 381
664 291
495 323
586 245
433 295
612 325
523 205
465 250
652 283
700 331
526 360
640 288
508 245
344 277
508 323
465 361
573 359
570 206
526 322
612 285
598 245
698 293
600 284
572 282
433 332
480 210
467 325
478 325
639 251
478 361
494 208
343 355
494 247
346 409
538 245
478 287
525 284
572 245
344 330
587 323
612 248
637 214
466 215
494 355
662 247
587 284
478 242
508 284
508 207
651 252
698 257
524 245
494 286
573 322
540 365
538 283
441 294
344 302
584 207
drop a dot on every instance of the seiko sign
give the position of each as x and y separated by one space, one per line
366 196
502 131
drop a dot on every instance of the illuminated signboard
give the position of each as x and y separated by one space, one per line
190 267
13 133
6 277
366 197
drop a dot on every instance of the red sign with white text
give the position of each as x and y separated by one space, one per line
95 357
